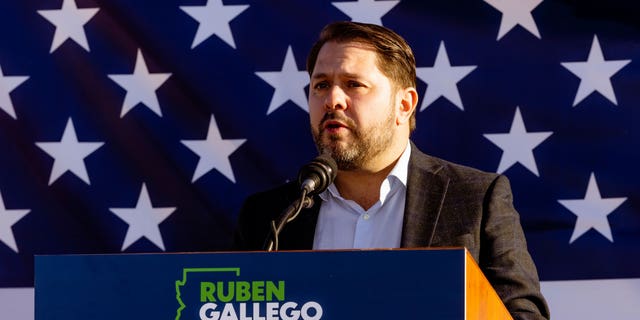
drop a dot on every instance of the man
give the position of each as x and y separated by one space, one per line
388 194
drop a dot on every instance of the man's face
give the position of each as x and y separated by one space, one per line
351 105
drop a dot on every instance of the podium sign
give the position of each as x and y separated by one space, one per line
309 285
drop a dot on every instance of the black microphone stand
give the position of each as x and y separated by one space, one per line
288 215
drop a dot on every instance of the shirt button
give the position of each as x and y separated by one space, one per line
366 216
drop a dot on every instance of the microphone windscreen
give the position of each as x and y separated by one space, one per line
322 171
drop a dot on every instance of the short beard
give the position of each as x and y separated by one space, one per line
367 143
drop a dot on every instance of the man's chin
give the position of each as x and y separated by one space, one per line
336 147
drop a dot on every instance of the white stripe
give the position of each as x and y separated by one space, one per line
593 299
16 303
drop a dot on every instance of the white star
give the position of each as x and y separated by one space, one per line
289 84
143 220
442 79
516 13
69 22
367 11
592 211
595 73
141 86
214 18
7 84
7 219
69 154
517 145
214 152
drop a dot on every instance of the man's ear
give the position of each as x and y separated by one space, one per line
408 100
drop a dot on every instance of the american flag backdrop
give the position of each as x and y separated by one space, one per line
141 125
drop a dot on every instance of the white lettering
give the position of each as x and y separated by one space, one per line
256 312
206 315
285 315
243 312
272 310
311 305
229 313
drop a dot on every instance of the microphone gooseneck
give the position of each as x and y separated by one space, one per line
313 178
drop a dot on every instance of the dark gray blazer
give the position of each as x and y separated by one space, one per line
447 205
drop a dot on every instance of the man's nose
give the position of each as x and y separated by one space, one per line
336 99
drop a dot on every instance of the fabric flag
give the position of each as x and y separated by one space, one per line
141 126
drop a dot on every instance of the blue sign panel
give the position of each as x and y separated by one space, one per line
385 284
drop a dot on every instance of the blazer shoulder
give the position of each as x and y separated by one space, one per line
256 214
283 192
450 170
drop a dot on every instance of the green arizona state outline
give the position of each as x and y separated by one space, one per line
181 283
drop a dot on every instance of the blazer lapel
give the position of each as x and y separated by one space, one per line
426 190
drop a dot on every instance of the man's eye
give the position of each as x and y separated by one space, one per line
354 84
320 85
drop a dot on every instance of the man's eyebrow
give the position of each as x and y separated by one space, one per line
344 74
319 76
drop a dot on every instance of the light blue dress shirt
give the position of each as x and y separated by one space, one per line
343 224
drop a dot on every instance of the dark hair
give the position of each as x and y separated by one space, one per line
394 56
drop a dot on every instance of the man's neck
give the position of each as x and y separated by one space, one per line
363 185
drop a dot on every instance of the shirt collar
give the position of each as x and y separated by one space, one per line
399 171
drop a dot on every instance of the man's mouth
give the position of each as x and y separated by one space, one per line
334 126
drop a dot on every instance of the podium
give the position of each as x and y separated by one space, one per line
307 285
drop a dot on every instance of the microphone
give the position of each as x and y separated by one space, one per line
317 175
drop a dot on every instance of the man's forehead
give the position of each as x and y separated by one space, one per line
343 52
